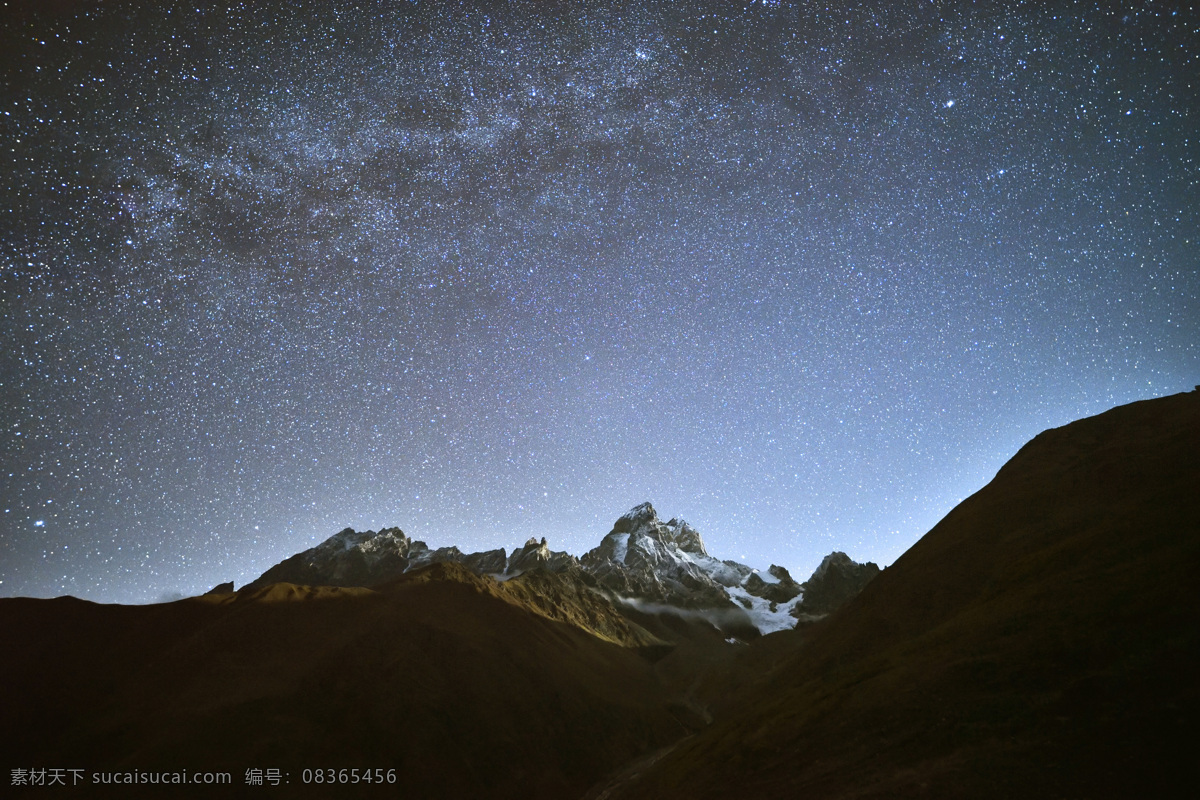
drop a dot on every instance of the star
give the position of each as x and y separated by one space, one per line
275 270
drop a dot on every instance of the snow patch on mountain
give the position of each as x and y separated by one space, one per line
767 616
622 547
766 577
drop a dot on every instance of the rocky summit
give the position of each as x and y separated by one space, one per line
835 581
642 563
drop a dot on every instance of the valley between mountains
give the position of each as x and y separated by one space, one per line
1041 641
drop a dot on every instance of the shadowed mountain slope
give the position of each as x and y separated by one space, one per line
440 675
1041 641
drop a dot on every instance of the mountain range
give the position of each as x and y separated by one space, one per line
1040 641
642 562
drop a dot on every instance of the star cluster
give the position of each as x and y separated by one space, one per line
804 273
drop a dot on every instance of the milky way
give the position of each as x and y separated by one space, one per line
804 275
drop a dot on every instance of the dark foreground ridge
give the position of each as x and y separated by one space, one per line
1040 641
532 674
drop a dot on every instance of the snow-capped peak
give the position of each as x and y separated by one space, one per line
641 558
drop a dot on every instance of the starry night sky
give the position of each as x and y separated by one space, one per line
801 273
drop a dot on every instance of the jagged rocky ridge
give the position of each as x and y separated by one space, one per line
833 583
642 563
